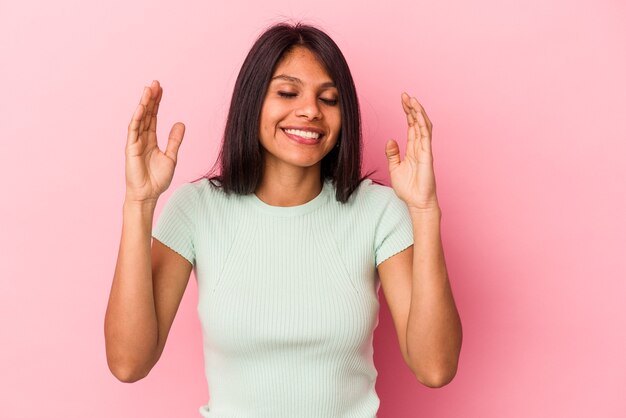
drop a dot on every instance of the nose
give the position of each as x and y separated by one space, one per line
309 107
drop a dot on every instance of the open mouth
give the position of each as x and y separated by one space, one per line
303 134
303 137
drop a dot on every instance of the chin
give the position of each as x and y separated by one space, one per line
306 163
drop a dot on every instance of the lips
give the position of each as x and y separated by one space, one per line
305 136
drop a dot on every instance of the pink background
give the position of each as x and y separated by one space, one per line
527 100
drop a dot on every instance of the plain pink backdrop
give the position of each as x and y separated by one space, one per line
527 101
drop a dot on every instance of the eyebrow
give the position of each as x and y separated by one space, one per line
298 81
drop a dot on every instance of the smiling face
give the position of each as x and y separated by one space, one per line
300 117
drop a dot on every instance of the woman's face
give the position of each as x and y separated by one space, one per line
300 117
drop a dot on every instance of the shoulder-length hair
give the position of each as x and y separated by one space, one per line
240 159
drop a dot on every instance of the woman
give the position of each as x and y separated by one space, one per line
287 243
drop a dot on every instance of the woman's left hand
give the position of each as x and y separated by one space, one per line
413 179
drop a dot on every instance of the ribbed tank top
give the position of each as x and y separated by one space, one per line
287 296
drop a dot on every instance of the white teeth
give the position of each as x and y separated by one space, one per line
303 134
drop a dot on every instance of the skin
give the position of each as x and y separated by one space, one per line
150 279
300 95
415 281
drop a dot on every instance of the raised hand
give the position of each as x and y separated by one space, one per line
149 171
413 179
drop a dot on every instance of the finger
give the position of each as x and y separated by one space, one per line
133 126
154 91
412 140
404 98
405 102
158 101
410 120
153 121
425 137
392 151
421 123
414 108
175 139
423 126
419 108
145 99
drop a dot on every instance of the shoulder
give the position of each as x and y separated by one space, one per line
191 195
200 189
369 202
210 198
374 195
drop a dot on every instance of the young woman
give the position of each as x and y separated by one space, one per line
289 244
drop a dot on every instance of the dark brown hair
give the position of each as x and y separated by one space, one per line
240 159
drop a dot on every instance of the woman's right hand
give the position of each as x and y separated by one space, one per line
149 171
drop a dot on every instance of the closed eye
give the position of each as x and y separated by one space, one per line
330 102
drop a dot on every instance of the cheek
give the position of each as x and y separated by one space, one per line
269 118
265 124
337 122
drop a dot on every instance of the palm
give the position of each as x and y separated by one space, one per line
149 171
413 178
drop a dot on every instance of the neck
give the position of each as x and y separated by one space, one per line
288 187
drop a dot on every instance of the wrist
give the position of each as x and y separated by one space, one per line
425 221
434 211
143 206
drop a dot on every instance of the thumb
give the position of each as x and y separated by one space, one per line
393 154
174 140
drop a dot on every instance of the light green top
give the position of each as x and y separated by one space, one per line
288 296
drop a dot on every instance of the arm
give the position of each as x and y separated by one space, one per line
147 288
148 282
417 290
415 281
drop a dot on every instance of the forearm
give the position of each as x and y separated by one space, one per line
131 330
434 331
